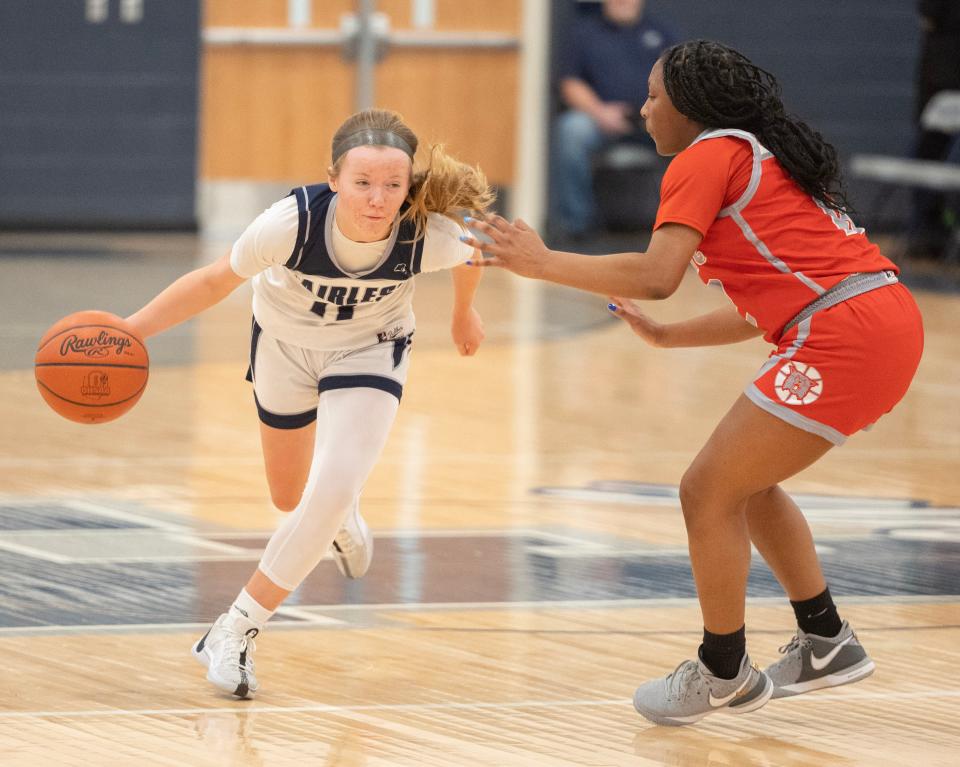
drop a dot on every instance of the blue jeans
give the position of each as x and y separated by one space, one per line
576 139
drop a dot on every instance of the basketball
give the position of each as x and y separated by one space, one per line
91 367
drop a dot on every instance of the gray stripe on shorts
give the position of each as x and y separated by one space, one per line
792 417
803 332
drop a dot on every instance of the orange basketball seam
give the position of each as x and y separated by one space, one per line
89 364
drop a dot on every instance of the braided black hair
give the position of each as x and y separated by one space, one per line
719 87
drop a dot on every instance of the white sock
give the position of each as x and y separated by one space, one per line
248 613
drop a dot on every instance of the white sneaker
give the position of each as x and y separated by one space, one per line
352 547
227 653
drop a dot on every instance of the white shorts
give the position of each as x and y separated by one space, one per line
288 380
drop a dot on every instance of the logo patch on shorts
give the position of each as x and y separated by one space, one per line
392 334
798 384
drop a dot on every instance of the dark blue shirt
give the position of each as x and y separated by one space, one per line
612 59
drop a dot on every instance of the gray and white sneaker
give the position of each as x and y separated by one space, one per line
692 692
813 662
227 652
352 547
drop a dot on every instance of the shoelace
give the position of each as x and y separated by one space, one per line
344 542
793 644
234 644
677 679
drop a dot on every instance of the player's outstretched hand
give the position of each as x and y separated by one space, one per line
640 323
514 246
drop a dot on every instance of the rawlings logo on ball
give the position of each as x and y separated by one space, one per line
94 346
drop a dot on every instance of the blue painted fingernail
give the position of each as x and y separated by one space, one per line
465 238
469 262
469 219
612 307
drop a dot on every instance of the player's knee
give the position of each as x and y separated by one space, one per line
692 493
700 498
328 497
705 495
334 500
762 498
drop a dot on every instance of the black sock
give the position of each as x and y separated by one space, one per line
723 653
818 615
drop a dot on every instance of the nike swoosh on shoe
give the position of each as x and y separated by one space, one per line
718 702
819 664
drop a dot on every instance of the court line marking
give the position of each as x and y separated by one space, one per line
311 616
460 532
605 603
102 510
542 542
650 632
546 543
305 619
30 543
312 620
32 553
568 546
321 708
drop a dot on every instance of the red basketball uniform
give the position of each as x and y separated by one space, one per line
773 250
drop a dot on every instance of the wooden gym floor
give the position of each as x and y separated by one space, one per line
531 566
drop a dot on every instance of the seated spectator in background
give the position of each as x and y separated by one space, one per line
602 76
938 70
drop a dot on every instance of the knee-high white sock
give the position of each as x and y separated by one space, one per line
357 424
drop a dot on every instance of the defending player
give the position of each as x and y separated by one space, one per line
754 200
332 268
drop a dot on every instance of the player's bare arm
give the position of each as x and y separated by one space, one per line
186 297
723 326
466 326
652 275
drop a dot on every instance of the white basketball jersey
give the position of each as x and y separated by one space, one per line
305 295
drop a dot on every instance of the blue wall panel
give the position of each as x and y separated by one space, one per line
98 121
846 66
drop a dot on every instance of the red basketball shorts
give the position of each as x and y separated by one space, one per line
838 371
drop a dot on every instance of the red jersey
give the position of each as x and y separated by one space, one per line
771 247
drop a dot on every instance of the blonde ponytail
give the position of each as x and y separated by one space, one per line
448 187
